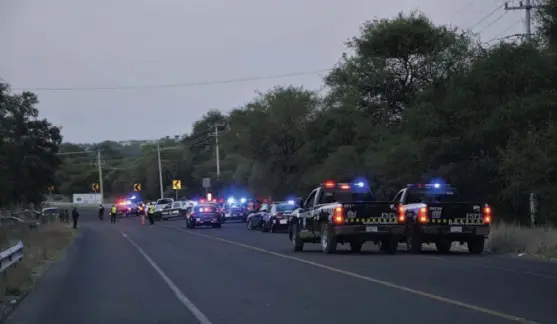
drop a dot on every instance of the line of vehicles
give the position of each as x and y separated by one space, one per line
346 213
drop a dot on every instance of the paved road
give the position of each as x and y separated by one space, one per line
128 273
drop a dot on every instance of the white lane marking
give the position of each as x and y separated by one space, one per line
179 294
369 279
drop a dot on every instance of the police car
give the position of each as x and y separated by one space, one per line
278 216
235 210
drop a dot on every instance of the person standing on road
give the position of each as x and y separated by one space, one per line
113 214
75 217
101 212
151 214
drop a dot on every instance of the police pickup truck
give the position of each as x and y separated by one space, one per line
345 213
435 214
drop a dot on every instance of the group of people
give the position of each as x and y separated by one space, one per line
149 211
65 216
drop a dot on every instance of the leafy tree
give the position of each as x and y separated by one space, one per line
27 151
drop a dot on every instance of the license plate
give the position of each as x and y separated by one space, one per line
456 229
175 212
371 228
283 221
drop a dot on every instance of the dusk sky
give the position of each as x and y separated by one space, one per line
184 43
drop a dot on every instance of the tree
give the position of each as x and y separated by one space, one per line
28 149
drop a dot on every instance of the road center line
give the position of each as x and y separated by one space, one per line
368 279
179 294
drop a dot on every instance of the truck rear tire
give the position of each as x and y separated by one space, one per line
297 243
389 245
328 240
414 242
443 246
476 245
356 246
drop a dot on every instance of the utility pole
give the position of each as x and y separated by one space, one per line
217 149
99 165
527 6
216 135
160 168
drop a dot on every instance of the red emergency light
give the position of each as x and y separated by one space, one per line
329 184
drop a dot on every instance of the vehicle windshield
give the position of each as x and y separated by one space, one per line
432 196
285 208
164 201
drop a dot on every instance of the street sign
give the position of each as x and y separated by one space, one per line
137 187
96 187
209 196
206 182
176 184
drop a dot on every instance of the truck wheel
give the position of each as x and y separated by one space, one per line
356 246
328 240
297 242
443 246
414 242
264 228
389 245
476 245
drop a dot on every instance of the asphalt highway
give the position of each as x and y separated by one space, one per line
129 273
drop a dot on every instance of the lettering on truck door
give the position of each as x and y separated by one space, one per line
306 212
316 211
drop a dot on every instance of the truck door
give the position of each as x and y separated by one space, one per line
307 208
313 213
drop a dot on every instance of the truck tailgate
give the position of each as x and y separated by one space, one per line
375 212
455 213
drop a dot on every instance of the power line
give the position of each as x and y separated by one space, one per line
500 36
494 21
484 18
174 85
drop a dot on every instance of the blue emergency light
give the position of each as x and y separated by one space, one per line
243 200
428 185
291 202
231 200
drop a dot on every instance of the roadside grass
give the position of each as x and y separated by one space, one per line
534 241
41 246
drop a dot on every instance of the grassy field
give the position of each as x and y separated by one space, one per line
537 241
41 246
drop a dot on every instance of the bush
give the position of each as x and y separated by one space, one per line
510 238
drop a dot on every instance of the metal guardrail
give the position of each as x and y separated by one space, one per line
11 256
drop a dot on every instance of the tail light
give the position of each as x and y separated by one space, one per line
422 215
338 217
487 214
401 214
